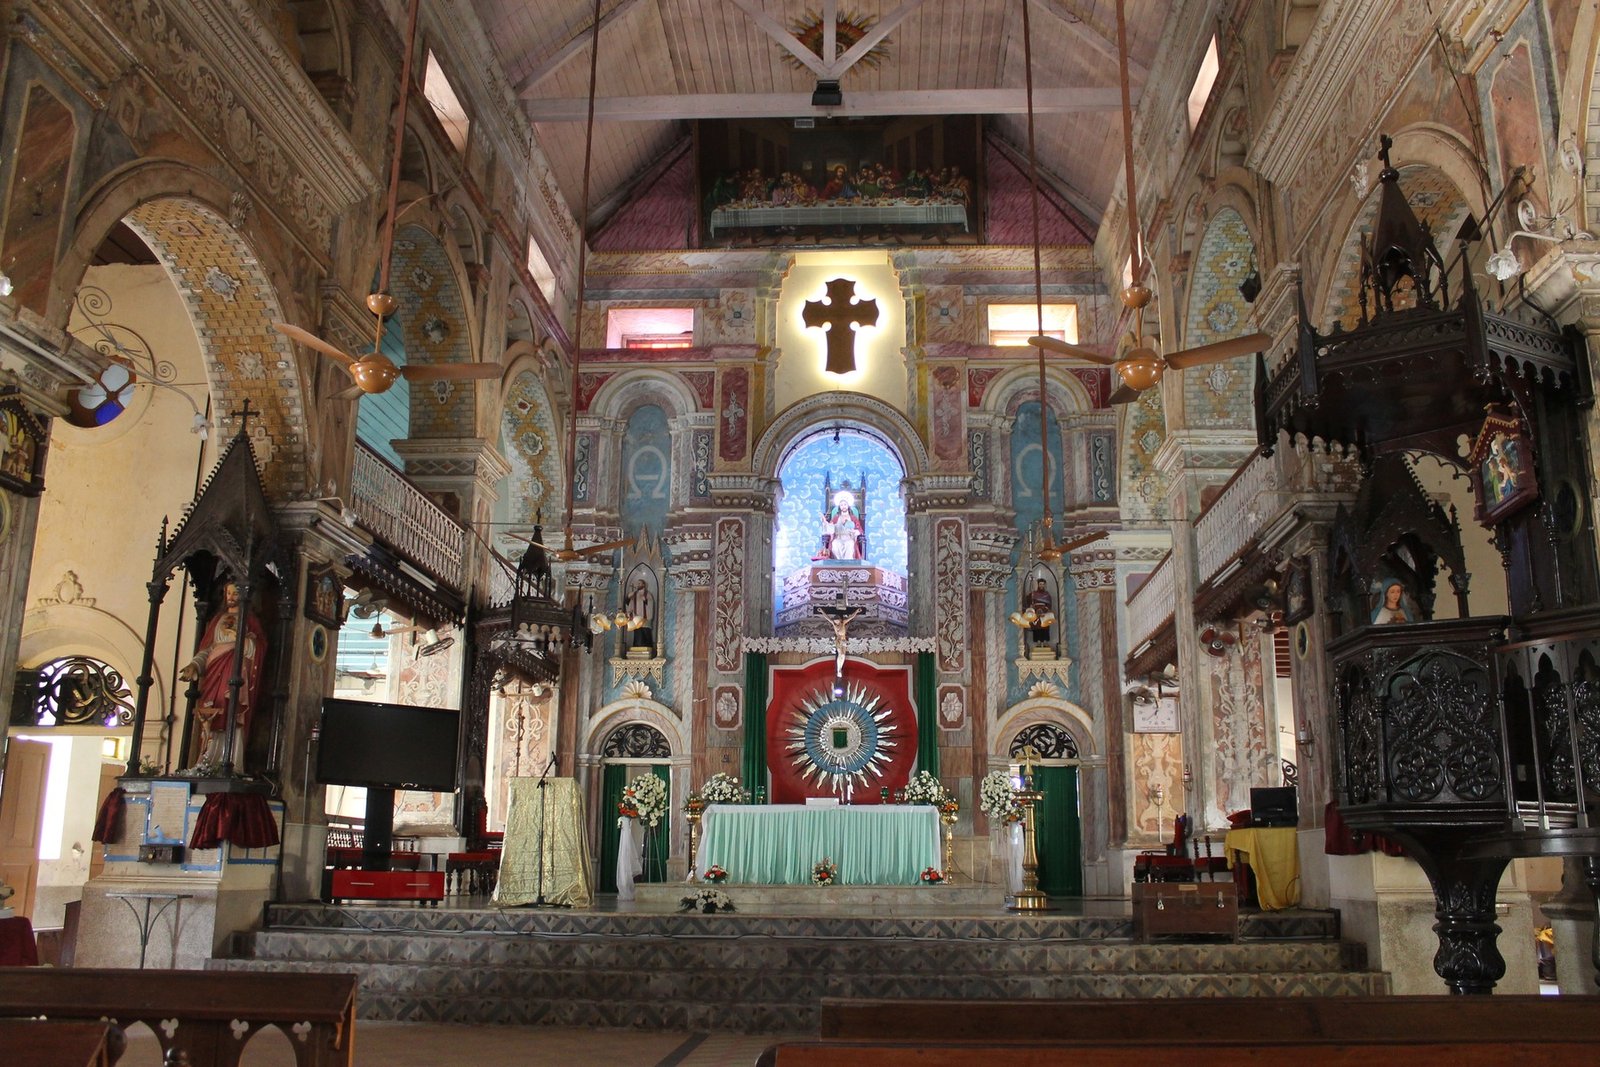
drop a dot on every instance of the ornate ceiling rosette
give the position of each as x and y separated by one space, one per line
849 28
852 741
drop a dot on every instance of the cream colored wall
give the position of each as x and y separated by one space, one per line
880 362
1486 594
107 490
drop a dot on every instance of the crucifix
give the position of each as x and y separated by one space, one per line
839 315
840 617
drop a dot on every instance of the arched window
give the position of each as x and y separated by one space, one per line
638 741
1047 739
73 691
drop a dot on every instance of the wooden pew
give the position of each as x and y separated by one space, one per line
59 1044
217 1012
1206 1032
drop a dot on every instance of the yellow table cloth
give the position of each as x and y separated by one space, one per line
1273 854
557 823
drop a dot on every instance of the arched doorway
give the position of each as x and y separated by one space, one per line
1058 829
630 750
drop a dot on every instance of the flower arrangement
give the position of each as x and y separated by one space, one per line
706 901
724 789
924 788
716 874
645 799
824 872
998 798
932 876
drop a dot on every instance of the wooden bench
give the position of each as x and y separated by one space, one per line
60 1044
1205 1032
216 1012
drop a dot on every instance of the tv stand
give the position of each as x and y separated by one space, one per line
425 887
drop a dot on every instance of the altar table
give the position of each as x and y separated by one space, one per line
778 844
1274 857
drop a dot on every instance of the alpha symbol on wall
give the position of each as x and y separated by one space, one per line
838 314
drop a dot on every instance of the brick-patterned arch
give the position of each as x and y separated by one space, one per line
1219 396
232 305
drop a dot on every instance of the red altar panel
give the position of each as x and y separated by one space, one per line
792 686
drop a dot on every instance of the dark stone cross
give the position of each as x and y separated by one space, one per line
836 315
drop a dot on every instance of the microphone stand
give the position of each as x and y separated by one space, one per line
544 775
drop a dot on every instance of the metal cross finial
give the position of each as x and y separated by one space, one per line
243 415
1030 756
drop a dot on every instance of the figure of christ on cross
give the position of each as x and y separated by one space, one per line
840 617
837 314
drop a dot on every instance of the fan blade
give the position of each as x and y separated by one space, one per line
352 393
1050 344
1079 542
1238 346
452 372
311 340
595 550
1124 394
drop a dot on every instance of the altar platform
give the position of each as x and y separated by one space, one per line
766 967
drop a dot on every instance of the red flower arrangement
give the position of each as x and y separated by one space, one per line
932 876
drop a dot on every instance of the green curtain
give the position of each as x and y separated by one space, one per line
611 783
922 695
616 777
753 774
1057 833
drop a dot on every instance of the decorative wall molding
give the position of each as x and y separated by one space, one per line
623 667
1059 669
823 646
728 593
950 593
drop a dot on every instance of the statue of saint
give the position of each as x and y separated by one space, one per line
1044 607
641 605
212 668
842 529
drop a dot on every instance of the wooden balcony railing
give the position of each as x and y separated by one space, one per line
404 519
1248 500
1153 604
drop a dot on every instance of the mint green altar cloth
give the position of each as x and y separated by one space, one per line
778 844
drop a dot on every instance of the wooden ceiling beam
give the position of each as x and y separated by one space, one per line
870 41
774 29
1081 28
579 42
798 105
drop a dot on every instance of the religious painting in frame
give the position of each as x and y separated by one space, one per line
1502 469
23 436
324 596
1297 603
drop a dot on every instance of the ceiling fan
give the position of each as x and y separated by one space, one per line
1141 367
568 553
375 372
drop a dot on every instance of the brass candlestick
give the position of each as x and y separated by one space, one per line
1031 898
947 815
694 809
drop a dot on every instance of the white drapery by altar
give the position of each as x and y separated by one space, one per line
630 856
1012 835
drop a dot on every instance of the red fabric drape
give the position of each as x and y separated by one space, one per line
1340 840
243 818
108 824
17 946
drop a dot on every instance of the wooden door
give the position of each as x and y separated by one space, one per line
22 819
108 782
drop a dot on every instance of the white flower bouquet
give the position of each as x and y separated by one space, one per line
998 798
647 796
924 788
706 901
724 789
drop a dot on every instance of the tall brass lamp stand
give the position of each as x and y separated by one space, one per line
1031 898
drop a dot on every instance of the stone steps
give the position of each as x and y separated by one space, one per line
768 973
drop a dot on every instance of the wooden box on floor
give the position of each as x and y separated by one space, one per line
1162 909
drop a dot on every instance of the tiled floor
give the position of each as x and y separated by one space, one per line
380 1044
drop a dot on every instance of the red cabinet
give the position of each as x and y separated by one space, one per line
425 886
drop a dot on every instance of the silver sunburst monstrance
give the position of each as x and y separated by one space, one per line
841 739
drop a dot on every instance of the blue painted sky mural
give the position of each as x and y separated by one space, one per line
1028 500
646 471
798 533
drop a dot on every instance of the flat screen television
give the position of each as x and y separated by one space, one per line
387 746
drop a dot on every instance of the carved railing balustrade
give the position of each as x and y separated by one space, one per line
1249 500
399 514
1152 606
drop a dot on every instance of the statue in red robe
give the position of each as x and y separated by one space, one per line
212 667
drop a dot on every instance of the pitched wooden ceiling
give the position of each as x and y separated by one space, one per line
662 61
